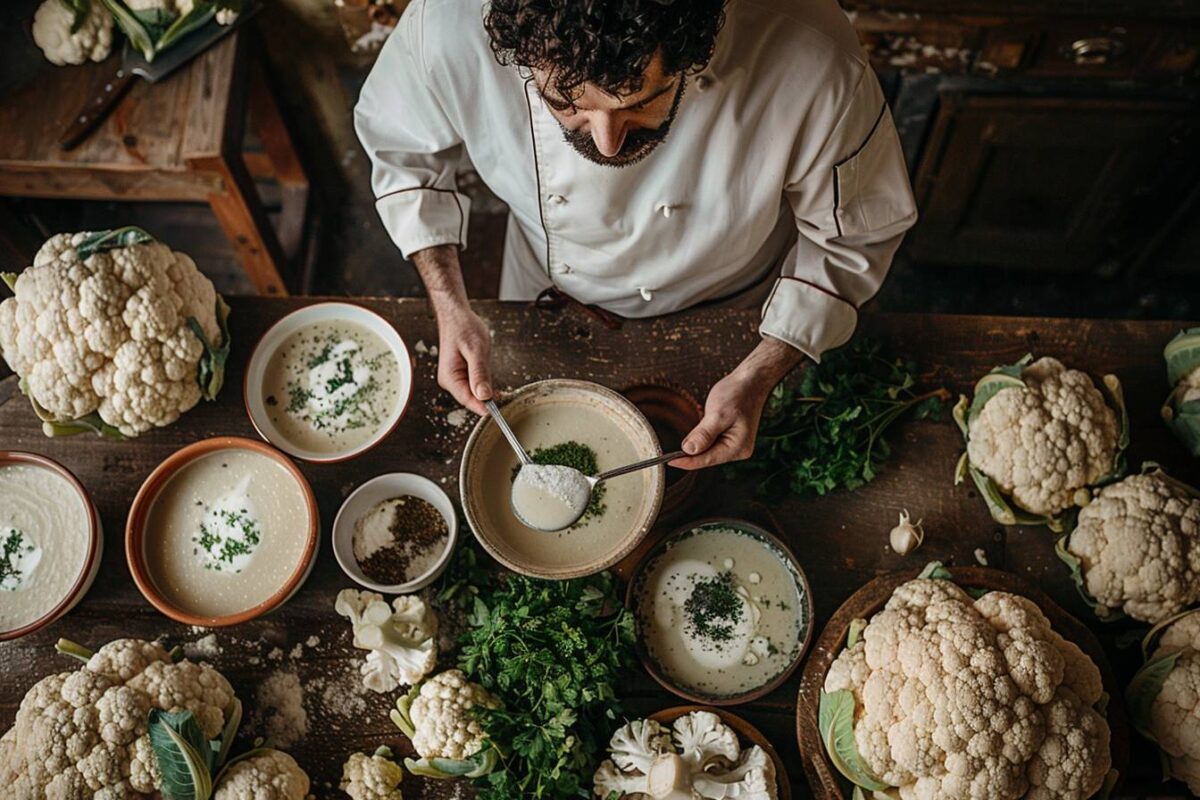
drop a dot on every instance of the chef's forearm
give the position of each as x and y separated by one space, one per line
441 273
768 363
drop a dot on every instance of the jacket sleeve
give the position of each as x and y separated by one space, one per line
414 148
852 203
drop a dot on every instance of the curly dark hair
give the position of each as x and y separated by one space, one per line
605 42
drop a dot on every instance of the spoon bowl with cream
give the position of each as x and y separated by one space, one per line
550 497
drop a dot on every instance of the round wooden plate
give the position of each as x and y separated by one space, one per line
745 731
822 776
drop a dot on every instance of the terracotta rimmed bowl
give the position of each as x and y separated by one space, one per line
137 538
824 780
747 735
637 581
584 551
366 497
95 549
260 357
673 413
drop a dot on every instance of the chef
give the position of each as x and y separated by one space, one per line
655 155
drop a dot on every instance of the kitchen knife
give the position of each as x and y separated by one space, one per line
134 65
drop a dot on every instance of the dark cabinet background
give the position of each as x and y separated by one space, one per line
1059 138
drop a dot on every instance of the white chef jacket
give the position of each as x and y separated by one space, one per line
781 170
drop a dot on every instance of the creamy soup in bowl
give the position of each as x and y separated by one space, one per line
328 382
50 542
223 531
723 612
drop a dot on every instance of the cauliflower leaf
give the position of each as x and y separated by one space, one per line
1181 409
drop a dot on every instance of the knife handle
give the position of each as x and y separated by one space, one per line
97 109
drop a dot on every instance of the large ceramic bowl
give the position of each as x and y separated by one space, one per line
95 543
139 536
488 463
775 546
277 334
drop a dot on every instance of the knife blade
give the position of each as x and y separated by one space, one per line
134 65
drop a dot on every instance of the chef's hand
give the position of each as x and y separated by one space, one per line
734 406
464 358
464 341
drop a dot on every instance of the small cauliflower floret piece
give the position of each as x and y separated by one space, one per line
962 699
52 23
374 777
401 638
267 775
700 759
442 720
84 734
1138 545
110 335
1047 441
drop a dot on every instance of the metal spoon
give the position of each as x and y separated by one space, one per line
593 480
502 423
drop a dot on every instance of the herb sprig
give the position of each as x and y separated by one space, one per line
553 652
825 430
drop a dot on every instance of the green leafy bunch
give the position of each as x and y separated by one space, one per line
552 652
824 431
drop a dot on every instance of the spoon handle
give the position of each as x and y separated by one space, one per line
650 462
502 423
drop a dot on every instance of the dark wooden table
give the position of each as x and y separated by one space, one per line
841 540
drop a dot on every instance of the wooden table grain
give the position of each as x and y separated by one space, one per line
841 540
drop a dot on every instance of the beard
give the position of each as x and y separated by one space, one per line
637 145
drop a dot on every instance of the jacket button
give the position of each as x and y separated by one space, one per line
646 294
556 199
665 209
703 82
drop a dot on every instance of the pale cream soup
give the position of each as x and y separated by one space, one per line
330 387
592 538
721 612
226 532
44 541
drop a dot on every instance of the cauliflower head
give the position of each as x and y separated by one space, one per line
1164 698
1043 434
443 723
113 332
1181 411
92 41
263 775
374 777
83 734
962 699
1137 547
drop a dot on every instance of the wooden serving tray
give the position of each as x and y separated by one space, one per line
823 778
745 731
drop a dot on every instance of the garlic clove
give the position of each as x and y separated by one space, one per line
907 535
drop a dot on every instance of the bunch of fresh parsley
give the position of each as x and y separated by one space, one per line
824 430
553 652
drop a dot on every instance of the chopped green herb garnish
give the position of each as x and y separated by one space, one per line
714 607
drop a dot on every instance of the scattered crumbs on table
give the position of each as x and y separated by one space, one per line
981 556
421 347
338 697
297 652
276 654
312 641
204 647
279 711
254 661
457 418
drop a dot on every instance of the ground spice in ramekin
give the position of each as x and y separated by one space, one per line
419 535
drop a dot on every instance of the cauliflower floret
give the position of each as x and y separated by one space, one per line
443 724
267 775
402 638
1138 545
52 23
83 734
110 335
962 699
374 777
1044 443
1174 718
